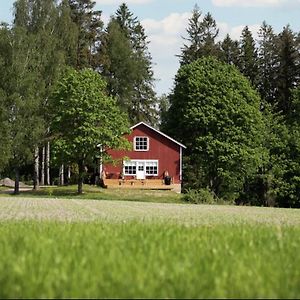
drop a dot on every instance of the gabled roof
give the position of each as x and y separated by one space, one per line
159 132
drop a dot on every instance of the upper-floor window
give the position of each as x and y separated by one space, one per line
141 143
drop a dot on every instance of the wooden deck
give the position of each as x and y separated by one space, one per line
153 184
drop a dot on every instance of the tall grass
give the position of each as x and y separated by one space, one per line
160 260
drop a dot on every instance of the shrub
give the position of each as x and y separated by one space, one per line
203 196
199 196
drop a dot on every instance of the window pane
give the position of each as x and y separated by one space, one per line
152 168
141 143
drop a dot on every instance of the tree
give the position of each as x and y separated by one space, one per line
248 56
89 29
20 81
67 33
287 70
215 113
201 38
230 51
84 117
4 109
40 19
125 62
267 63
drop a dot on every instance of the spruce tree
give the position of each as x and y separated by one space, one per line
127 64
189 52
89 28
267 63
229 51
287 70
248 61
201 38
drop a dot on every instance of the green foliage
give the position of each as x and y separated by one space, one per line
215 113
267 63
230 51
287 69
87 31
126 63
163 260
20 87
83 116
201 196
248 64
201 38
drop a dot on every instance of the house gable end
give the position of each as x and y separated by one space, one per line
159 132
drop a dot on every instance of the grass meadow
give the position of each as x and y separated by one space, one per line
73 248
97 193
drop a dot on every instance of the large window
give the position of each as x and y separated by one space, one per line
152 168
130 168
146 167
141 143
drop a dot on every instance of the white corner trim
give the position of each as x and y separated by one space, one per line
180 164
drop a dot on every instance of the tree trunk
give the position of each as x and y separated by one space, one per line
61 175
17 181
43 167
36 169
69 175
80 176
48 164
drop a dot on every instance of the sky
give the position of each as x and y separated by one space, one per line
165 22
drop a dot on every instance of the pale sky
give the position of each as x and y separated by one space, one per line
165 22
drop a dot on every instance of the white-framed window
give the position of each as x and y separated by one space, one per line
129 168
141 143
147 167
152 168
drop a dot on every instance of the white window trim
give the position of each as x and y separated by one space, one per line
141 161
155 161
141 150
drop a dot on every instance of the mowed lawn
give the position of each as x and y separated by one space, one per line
61 248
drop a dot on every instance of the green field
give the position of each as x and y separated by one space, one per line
62 248
97 193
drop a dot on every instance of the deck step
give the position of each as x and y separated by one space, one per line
138 183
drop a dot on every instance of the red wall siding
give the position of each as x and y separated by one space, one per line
160 148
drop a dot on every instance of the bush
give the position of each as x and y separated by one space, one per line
202 196
199 196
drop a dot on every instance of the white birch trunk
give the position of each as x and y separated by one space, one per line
69 174
61 175
43 167
36 169
48 182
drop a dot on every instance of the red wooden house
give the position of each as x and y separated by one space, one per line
154 156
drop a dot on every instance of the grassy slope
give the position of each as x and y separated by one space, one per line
131 249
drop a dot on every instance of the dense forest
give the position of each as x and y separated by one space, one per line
234 104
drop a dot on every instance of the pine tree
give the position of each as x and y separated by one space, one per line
210 32
287 70
267 63
89 28
127 64
189 52
229 51
201 38
248 61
